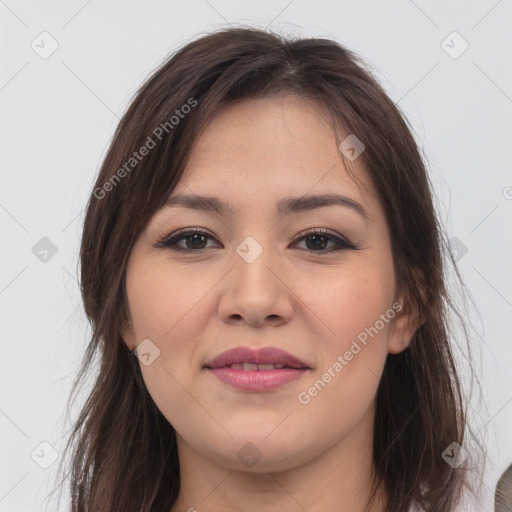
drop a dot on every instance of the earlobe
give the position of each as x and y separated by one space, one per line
128 335
406 322
410 317
127 330
402 332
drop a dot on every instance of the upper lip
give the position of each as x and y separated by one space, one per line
263 355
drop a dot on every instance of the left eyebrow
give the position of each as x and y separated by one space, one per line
284 206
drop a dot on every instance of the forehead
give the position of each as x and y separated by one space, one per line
272 147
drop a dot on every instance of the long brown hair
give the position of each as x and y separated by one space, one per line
123 450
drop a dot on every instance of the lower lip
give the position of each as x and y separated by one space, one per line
257 380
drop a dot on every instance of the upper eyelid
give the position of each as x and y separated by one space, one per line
182 233
308 231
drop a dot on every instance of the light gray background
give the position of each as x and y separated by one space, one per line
57 117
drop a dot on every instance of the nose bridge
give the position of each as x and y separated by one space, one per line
255 290
254 261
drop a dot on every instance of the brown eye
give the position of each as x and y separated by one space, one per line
318 240
194 240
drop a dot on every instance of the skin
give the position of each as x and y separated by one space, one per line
311 303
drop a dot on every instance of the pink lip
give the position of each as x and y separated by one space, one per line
259 380
256 380
264 355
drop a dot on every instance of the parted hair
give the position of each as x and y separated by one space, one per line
123 452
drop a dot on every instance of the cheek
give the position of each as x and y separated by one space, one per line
169 306
354 350
350 303
352 355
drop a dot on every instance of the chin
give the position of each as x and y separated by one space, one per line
263 453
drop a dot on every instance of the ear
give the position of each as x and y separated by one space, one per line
407 321
128 335
127 330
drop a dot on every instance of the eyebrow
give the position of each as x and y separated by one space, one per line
284 206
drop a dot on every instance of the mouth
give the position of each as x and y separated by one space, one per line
256 370
253 367
256 359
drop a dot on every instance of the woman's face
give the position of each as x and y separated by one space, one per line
256 277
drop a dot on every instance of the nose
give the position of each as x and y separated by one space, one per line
257 292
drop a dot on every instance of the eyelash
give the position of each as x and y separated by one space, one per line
169 242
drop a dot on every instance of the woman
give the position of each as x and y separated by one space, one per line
261 236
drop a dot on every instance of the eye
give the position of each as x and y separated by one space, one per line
319 238
195 240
